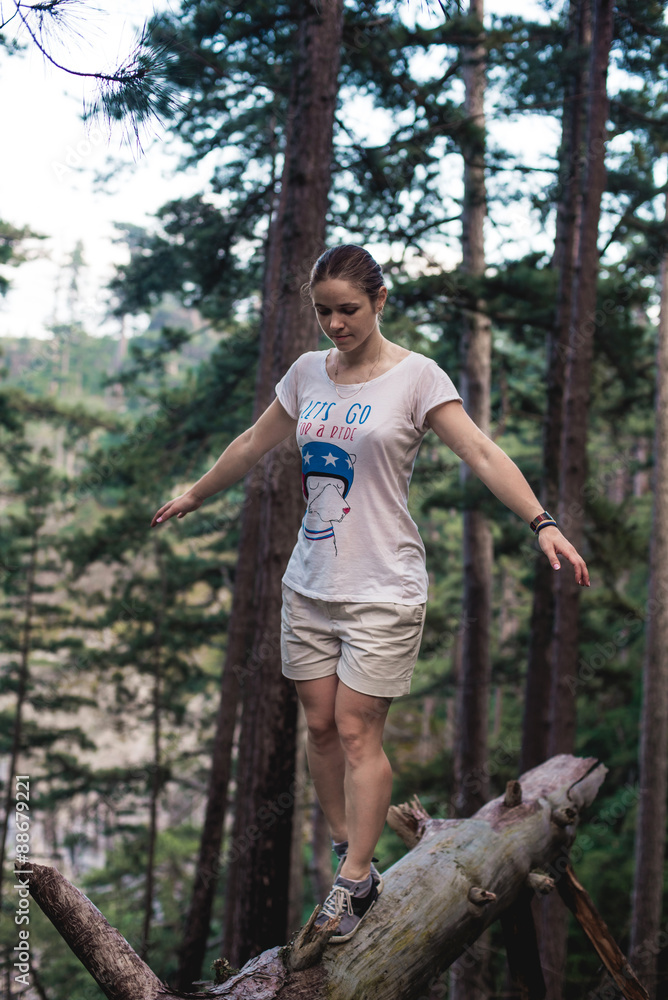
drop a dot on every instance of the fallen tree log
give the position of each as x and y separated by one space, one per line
459 877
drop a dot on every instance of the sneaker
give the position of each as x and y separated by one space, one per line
351 900
341 850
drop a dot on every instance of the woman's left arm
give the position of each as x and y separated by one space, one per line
500 474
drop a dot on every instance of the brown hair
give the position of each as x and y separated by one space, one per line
351 263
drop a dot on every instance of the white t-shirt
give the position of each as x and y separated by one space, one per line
358 541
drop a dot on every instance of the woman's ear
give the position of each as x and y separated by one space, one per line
381 299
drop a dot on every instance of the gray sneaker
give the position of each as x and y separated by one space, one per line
351 900
341 851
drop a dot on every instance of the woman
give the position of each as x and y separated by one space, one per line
355 587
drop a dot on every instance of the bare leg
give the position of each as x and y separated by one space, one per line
360 720
323 750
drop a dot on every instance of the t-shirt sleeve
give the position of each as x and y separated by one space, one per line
434 386
287 390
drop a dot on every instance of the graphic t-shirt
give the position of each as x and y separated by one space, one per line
358 541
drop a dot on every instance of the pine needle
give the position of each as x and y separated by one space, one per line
135 94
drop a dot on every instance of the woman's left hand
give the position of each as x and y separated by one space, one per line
553 543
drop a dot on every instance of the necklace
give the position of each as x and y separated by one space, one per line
336 375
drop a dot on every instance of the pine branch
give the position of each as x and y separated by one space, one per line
53 8
6 22
134 93
661 122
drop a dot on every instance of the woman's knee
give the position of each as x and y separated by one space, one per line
318 699
321 729
358 740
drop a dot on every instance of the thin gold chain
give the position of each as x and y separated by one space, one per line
336 375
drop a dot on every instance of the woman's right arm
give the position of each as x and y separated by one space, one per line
239 457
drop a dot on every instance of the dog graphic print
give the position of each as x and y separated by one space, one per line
327 475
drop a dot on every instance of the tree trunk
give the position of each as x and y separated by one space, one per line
574 449
535 729
306 175
471 748
460 877
258 887
578 375
650 831
471 776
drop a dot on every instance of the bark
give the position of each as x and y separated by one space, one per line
537 696
471 776
474 677
653 762
460 877
283 336
578 376
574 448
258 887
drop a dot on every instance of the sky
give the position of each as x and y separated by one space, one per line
49 173
52 161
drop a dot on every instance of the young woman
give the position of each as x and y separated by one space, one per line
355 587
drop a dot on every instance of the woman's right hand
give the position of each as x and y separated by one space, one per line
180 506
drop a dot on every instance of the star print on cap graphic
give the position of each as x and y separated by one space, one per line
327 476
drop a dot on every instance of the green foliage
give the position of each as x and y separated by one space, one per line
13 248
194 257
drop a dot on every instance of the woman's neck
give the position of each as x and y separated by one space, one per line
367 360
367 353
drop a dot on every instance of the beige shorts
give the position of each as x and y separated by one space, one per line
373 648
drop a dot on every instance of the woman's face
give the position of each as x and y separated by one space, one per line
345 313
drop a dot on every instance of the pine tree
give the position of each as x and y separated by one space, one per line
14 248
536 704
473 683
653 763
32 613
259 890
574 444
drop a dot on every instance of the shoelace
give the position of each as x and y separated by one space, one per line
339 899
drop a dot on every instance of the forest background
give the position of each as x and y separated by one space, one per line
113 637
